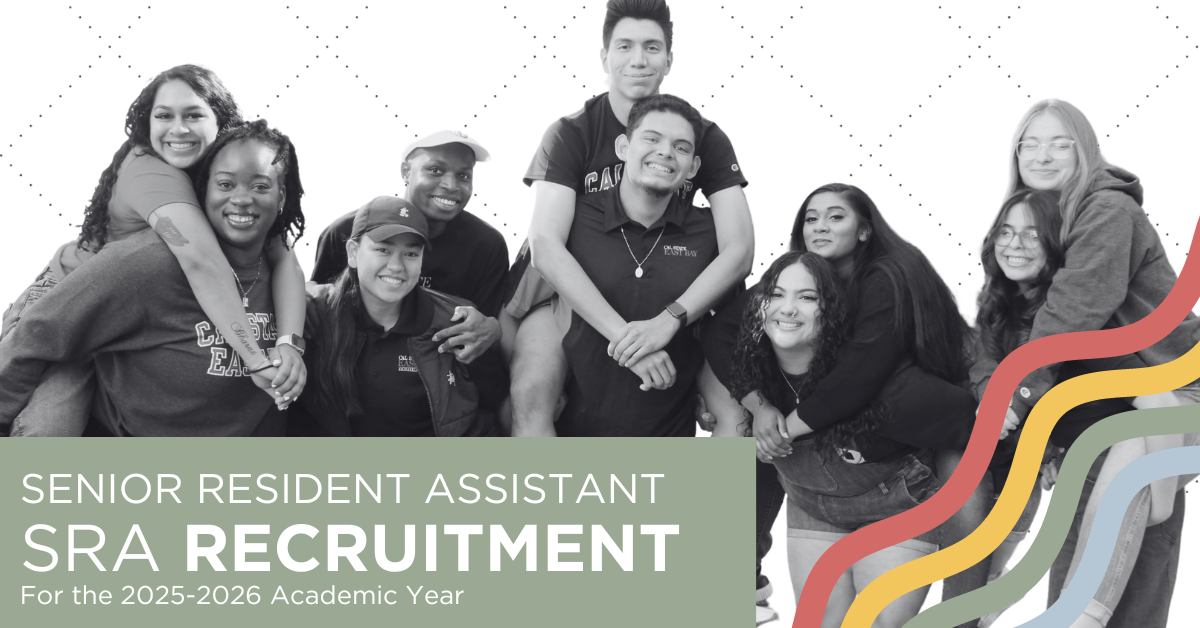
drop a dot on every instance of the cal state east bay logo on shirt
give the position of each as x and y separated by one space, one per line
678 251
407 364
225 362
609 177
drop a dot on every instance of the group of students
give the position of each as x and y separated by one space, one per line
623 314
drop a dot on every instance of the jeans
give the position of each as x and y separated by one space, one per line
63 399
851 496
768 502
1137 596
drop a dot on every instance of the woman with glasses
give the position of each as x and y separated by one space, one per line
1114 271
1020 255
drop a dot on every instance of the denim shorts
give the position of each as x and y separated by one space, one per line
837 497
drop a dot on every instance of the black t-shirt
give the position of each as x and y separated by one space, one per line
468 260
604 399
394 399
579 152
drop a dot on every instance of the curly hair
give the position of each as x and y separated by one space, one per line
926 314
1005 310
290 223
94 233
756 367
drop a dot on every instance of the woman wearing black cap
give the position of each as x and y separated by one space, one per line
374 369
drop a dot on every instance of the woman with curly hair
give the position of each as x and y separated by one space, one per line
904 349
171 127
855 472
163 368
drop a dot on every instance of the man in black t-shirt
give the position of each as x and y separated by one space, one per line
576 158
469 257
642 248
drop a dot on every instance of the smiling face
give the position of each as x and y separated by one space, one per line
636 59
1022 257
182 125
832 229
793 311
1044 171
244 195
439 180
660 155
387 270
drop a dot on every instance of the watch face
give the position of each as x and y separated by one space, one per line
292 339
676 310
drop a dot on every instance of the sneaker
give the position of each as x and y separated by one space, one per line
763 593
764 614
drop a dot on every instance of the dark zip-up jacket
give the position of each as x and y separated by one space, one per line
462 398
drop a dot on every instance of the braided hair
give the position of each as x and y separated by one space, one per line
290 223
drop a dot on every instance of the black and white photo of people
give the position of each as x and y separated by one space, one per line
537 227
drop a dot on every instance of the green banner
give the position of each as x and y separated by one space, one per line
377 532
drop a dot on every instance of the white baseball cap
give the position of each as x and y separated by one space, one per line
441 138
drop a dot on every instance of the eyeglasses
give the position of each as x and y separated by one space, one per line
1058 149
1029 237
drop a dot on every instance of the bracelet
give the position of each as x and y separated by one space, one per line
262 366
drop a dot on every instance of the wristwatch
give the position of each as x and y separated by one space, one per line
679 312
295 341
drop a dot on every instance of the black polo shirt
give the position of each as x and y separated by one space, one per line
394 399
604 399
468 260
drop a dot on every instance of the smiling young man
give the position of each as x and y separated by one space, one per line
469 258
641 247
577 158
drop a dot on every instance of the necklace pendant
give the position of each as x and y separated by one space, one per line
246 302
638 273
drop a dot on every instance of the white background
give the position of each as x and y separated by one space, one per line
914 102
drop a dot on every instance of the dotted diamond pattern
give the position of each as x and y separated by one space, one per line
915 102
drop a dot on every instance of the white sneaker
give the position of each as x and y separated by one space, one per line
764 614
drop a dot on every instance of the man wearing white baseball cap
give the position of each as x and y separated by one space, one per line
469 258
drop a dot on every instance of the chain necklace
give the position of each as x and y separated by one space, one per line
638 273
789 385
246 293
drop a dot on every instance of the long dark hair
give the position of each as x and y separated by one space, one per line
1005 310
94 232
756 368
290 222
926 315
335 383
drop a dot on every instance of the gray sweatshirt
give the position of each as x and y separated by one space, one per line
161 368
1116 272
